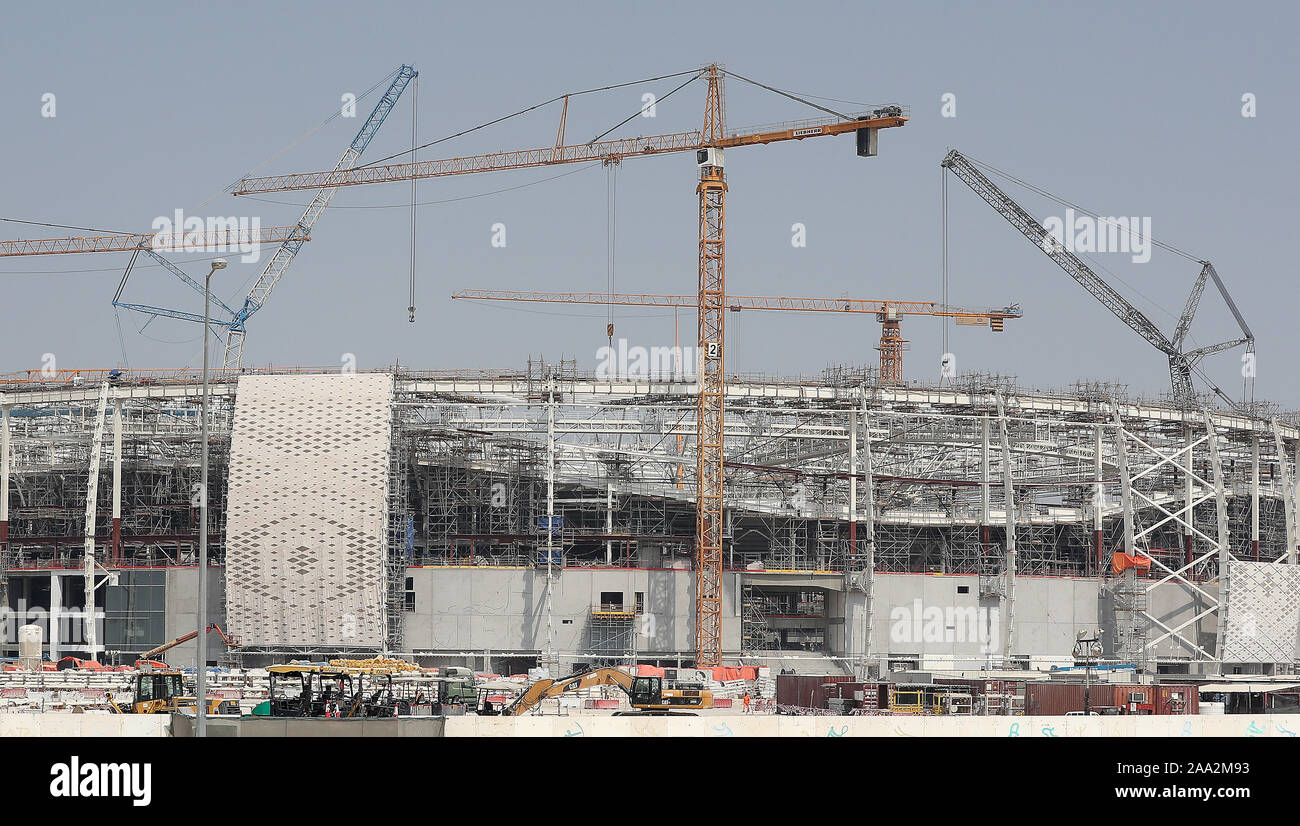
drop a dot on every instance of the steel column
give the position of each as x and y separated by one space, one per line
1254 497
1099 502
1289 508
1188 512
984 486
1221 509
869 514
1009 498
115 549
92 495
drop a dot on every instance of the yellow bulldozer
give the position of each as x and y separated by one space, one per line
647 694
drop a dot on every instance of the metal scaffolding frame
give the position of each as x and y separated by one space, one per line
914 481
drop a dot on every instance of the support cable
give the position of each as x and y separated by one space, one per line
943 322
530 109
415 117
1063 202
787 94
639 111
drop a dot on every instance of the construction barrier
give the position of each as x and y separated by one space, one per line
739 725
64 724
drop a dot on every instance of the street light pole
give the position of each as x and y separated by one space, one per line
1088 648
200 683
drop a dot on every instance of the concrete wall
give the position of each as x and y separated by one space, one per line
183 613
1174 604
781 726
1049 612
471 609
183 726
63 724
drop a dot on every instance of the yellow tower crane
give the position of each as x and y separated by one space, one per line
708 144
888 312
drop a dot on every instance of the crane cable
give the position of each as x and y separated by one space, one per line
1197 369
1063 202
530 109
337 113
789 95
611 244
943 321
415 115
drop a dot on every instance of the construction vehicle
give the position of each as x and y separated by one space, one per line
163 691
647 694
149 655
328 691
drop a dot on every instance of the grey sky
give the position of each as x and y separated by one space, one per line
1128 109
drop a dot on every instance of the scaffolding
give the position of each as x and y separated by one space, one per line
612 636
468 480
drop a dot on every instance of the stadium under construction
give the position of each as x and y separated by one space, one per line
503 520
547 517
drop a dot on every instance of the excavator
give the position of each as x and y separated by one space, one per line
647 694
148 656
163 690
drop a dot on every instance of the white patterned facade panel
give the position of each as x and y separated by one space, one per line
306 538
1263 613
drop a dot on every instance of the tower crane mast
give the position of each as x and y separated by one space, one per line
708 143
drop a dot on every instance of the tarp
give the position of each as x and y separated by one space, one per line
649 671
1122 561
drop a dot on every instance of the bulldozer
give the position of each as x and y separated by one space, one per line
162 691
647 694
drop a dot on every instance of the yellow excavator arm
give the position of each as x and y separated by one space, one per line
543 689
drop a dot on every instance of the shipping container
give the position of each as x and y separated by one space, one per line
1053 699
863 696
805 691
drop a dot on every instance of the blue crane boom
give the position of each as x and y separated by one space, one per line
283 257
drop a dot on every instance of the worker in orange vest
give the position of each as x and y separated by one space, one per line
746 702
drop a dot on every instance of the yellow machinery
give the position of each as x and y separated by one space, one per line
929 699
162 691
647 694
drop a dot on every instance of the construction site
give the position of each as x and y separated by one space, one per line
956 545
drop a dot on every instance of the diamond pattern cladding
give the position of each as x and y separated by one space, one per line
305 529
1263 613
